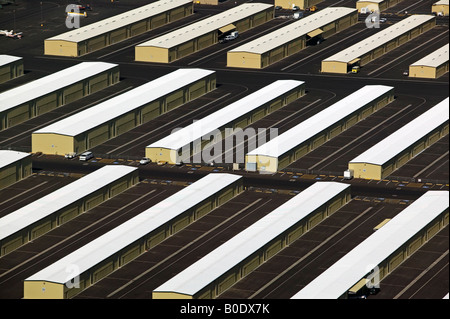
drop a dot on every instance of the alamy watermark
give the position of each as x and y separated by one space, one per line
373 20
222 146
73 277
73 16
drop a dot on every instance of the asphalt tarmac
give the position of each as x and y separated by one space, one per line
422 276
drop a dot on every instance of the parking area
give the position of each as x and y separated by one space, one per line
424 275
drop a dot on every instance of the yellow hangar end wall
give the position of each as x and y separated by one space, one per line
59 144
162 154
245 60
177 44
427 72
155 54
302 4
76 43
169 295
43 290
440 7
61 48
366 170
376 5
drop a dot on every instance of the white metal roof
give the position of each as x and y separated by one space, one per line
9 157
51 83
224 116
231 253
434 59
118 21
124 103
61 198
125 234
346 272
441 2
380 38
406 136
207 25
294 30
373 1
7 59
320 121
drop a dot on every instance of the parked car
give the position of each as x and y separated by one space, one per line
406 73
144 160
233 35
86 156
70 155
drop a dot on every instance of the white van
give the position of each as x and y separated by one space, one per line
86 156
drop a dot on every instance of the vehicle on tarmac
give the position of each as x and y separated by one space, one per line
233 35
356 69
86 156
144 161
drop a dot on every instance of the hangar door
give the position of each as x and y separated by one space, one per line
7 177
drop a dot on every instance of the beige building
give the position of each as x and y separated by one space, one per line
10 67
14 166
302 4
181 145
286 41
378 44
440 7
245 252
106 32
382 159
431 66
383 251
293 144
52 91
64 204
375 5
199 35
104 121
134 237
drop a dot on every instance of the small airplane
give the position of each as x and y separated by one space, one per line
4 2
11 34
76 14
